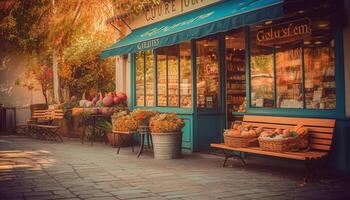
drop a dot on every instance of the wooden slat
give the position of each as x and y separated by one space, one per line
321 135
320 141
320 147
47 126
289 155
258 151
290 120
274 126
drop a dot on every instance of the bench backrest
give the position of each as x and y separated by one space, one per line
48 114
320 130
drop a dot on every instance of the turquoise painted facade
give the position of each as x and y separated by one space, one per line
205 126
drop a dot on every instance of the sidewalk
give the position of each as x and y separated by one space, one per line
36 169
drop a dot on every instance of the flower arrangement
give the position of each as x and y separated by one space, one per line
123 122
143 116
166 123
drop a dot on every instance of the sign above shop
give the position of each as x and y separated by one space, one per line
284 33
168 9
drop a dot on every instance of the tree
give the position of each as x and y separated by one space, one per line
73 31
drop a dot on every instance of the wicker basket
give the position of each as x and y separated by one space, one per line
278 145
240 142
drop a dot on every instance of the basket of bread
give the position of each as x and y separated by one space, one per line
281 140
241 136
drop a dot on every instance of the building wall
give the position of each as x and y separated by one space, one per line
12 68
346 38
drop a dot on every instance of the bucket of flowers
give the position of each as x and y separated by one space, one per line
166 130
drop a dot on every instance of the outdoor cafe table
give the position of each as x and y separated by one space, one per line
91 120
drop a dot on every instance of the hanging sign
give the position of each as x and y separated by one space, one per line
284 33
168 9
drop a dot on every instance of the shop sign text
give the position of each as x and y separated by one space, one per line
168 9
168 28
284 33
148 44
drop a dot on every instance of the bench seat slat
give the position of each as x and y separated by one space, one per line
290 155
46 126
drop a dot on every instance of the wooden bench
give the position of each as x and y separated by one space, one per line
43 124
321 135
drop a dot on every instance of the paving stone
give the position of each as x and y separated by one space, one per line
36 169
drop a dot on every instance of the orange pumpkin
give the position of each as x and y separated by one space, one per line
278 131
245 133
236 133
302 131
298 127
252 133
235 126
285 133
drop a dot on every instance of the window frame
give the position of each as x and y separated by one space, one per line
338 112
178 107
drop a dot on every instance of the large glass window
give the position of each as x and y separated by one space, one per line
320 67
261 75
149 70
140 79
173 76
293 68
288 78
207 61
162 77
185 75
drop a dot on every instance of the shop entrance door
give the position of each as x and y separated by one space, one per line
209 78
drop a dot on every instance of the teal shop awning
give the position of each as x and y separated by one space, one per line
220 17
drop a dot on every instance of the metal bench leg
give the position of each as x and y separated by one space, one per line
231 155
56 135
309 170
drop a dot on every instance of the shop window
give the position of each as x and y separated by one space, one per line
320 68
140 79
149 76
296 70
235 72
161 77
261 75
185 75
289 78
207 67
174 75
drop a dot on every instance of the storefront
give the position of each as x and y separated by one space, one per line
212 65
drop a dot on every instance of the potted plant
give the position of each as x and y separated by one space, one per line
166 135
142 116
114 140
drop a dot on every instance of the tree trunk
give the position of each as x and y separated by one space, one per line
56 80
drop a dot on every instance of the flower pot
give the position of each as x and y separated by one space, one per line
167 145
119 140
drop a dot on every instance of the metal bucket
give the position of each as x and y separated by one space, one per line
167 145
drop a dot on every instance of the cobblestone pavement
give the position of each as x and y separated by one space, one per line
35 169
